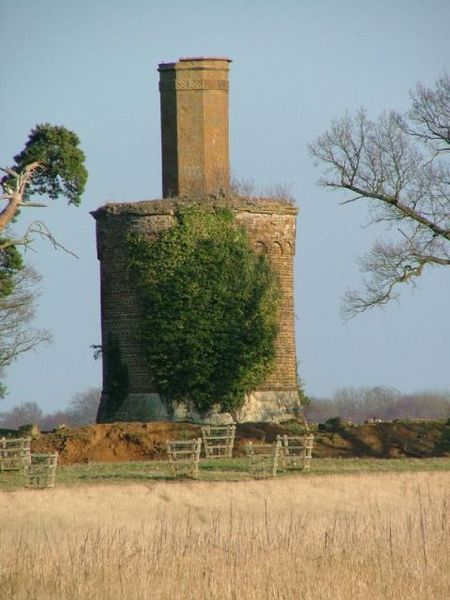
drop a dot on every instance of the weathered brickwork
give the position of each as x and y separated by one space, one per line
195 171
273 233
194 126
271 229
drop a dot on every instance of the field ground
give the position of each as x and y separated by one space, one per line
361 535
361 525
128 442
235 469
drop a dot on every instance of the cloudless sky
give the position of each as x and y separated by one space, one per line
90 65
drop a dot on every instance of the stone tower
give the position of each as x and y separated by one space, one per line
195 171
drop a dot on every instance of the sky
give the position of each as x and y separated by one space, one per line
91 65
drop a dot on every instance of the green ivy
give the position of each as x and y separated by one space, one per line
209 306
11 263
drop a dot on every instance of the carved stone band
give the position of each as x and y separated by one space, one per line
193 84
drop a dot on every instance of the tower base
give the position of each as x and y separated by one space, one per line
272 406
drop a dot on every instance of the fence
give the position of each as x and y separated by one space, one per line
41 470
264 458
14 453
184 456
296 451
218 440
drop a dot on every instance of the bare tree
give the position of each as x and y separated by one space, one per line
423 405
399 166
357 404
82 410
16 312
27 413
84 406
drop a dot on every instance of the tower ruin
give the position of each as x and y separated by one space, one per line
195 172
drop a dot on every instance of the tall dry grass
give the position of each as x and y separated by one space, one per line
367 536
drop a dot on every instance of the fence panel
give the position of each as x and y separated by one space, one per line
296 451
218 440
263 458
184 456
41 471
14 453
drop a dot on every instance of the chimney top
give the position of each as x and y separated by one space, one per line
183 59
205 58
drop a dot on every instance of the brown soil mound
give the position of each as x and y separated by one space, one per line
126 442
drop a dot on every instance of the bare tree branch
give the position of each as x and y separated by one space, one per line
15 195
16 199
399 166
40 229
16 313
429 117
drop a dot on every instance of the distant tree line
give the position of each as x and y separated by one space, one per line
360 404
350 404
82 410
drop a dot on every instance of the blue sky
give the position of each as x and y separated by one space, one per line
91 66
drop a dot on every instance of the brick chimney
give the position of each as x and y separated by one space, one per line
194 126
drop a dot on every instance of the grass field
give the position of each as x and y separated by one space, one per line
381 531
235 469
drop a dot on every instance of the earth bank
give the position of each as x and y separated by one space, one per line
127 442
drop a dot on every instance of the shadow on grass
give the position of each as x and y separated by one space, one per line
126 476
358 446
238 465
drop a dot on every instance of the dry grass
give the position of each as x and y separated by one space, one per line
350 536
